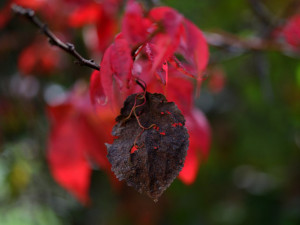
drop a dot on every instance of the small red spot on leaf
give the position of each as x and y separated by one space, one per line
155 147
177 124
162 113
156 128
168 112
133 149
162 133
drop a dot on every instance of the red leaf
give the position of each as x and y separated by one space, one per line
96 135
77 138
291 31
67 159
169 18
85 14
134 25
193 47
107 27
189 171
97 94
165 42
162 70
180 91
121 60
106 78
115 70
199 132
58 113
171 33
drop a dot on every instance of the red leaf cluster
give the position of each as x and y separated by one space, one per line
148 48
163 32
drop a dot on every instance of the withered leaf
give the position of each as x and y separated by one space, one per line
151 143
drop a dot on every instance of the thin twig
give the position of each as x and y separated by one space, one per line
53 39
235 44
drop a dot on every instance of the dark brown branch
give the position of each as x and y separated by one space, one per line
54 40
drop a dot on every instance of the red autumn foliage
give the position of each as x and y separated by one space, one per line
164 32
167 33
39 58
160 34
134 25
145 49
77 139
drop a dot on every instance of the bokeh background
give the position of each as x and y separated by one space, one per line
251 96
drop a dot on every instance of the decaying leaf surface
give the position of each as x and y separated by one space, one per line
151 143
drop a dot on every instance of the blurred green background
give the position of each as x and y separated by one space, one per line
252 175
